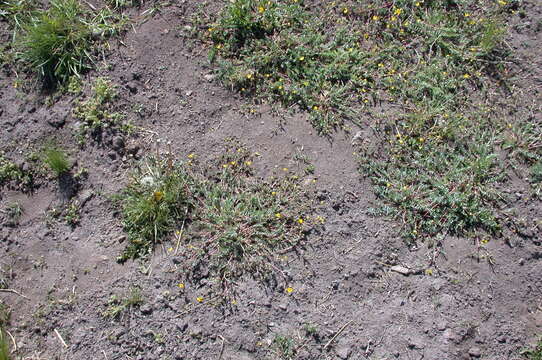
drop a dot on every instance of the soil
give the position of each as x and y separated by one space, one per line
349 299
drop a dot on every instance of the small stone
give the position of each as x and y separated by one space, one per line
121 239
521 261
209 77
85 196
146 309
343 352
189 92
401 270
182 325
475 352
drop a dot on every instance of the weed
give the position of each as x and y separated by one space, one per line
421 72
117 305
56 159
14 212
284 346
95 112
534 354
71 213
11 173
536 172
4 341
235 221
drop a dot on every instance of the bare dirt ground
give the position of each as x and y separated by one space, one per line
347 302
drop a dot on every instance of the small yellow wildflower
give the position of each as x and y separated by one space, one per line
199 299
393 18
158 195
300 221
380 65
248 163
345 11
181 286
225 166
285 169
315 108
273 193
502 2
466 76
429 272
249 76
261 9
278 215
191 156
301 58
233 163
375 18
289 290
398 11
170 249
417 3
466 15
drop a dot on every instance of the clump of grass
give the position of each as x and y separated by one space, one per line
57 160
57 43
153 205
4 340
235 222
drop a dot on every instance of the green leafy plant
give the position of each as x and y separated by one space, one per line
117 305
535 353
56 159
236 222
419 74
284 346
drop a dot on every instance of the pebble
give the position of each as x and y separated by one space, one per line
475 352
343 352
401 270
146 309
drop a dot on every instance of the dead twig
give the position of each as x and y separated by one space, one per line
14 292
337 334
13 341
60 338
222 348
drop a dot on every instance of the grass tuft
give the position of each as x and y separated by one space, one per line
57 160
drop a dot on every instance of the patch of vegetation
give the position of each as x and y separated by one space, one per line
419 73
57 43
284 346
14 211
56 159
117 305
96 112
235 222
4 340
10 172
534 354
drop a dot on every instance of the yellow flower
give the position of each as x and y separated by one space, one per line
466 15
249 76
315 108
466 76
278 215
158 195
233 163
417 3
502 2
273 193
210 29
199 299
225 166
191 156
380 65
375 18
393 18
301 58
345 11
170 249
429 272
181 286
248 163
261 9
285 169
289 290
398 11
300 220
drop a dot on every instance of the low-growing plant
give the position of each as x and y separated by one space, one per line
96 112
535 353
236 222
284 346
56 159
117 305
